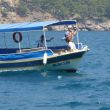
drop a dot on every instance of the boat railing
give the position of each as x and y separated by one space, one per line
79 46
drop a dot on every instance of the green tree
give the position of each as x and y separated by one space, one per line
22 8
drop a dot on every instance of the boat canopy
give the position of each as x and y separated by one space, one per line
31 26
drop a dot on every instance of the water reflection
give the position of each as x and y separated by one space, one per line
37 76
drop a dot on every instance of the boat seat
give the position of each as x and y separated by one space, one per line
59 51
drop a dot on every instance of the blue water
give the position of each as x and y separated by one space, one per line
88 89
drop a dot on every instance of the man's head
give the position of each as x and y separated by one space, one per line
70 27
42 37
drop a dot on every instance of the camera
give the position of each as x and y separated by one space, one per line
75 28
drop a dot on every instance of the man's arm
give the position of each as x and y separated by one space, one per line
50 39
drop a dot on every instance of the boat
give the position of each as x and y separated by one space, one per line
38 58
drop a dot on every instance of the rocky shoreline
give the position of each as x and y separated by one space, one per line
81 26
8 14
93 26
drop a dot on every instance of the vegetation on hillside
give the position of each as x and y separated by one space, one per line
78 9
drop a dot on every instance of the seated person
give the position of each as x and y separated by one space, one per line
41 42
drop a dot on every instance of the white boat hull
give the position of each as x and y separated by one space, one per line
63 65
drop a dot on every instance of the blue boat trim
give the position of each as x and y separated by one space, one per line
39 62
27 55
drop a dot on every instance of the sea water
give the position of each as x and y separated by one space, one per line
87 89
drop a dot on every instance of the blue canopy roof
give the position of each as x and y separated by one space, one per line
29 26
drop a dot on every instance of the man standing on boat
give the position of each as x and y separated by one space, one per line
69 35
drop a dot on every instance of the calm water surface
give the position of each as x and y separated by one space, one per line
88 89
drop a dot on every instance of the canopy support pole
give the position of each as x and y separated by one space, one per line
77 35
5 41
45 43
28 39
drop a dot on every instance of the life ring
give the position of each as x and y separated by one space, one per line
19 39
